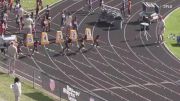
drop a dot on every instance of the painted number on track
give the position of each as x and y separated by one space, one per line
167 6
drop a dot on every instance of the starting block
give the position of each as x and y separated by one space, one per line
73 35
44 38
59 37
88 33
29 40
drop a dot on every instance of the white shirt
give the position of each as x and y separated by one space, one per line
5 17
161 25
12 51
28 22
17 88
69 20
21 12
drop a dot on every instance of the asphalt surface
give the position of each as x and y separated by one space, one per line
126 67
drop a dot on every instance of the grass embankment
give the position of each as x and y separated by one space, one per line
28 93
30 5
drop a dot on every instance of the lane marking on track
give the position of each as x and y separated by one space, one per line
115 61
133 86
152 69
167 73
99 79
45 64
64 64
97 61
151 75
75 60
84 81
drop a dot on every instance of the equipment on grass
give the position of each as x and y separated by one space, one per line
109 13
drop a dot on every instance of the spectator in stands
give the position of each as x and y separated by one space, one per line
17 88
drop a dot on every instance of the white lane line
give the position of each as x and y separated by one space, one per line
28 75
95 53
119 72
97 61
82 63
64 64
130 75
167 73
83 81
152 60
102 73
151 67
157 57
133 86
115 61
135 53
117 78
151 75
99 79
46 64
123 49
38 53
132 60
133 80
148 66
164 46
106 50
71 78
121 97
149 89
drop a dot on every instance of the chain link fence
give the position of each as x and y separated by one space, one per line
64 90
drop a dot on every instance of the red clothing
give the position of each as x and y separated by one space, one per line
129 7
2 28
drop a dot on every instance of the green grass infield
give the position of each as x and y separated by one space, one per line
172 23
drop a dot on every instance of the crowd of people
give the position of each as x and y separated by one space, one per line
126 5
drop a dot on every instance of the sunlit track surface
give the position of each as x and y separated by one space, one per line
122 68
